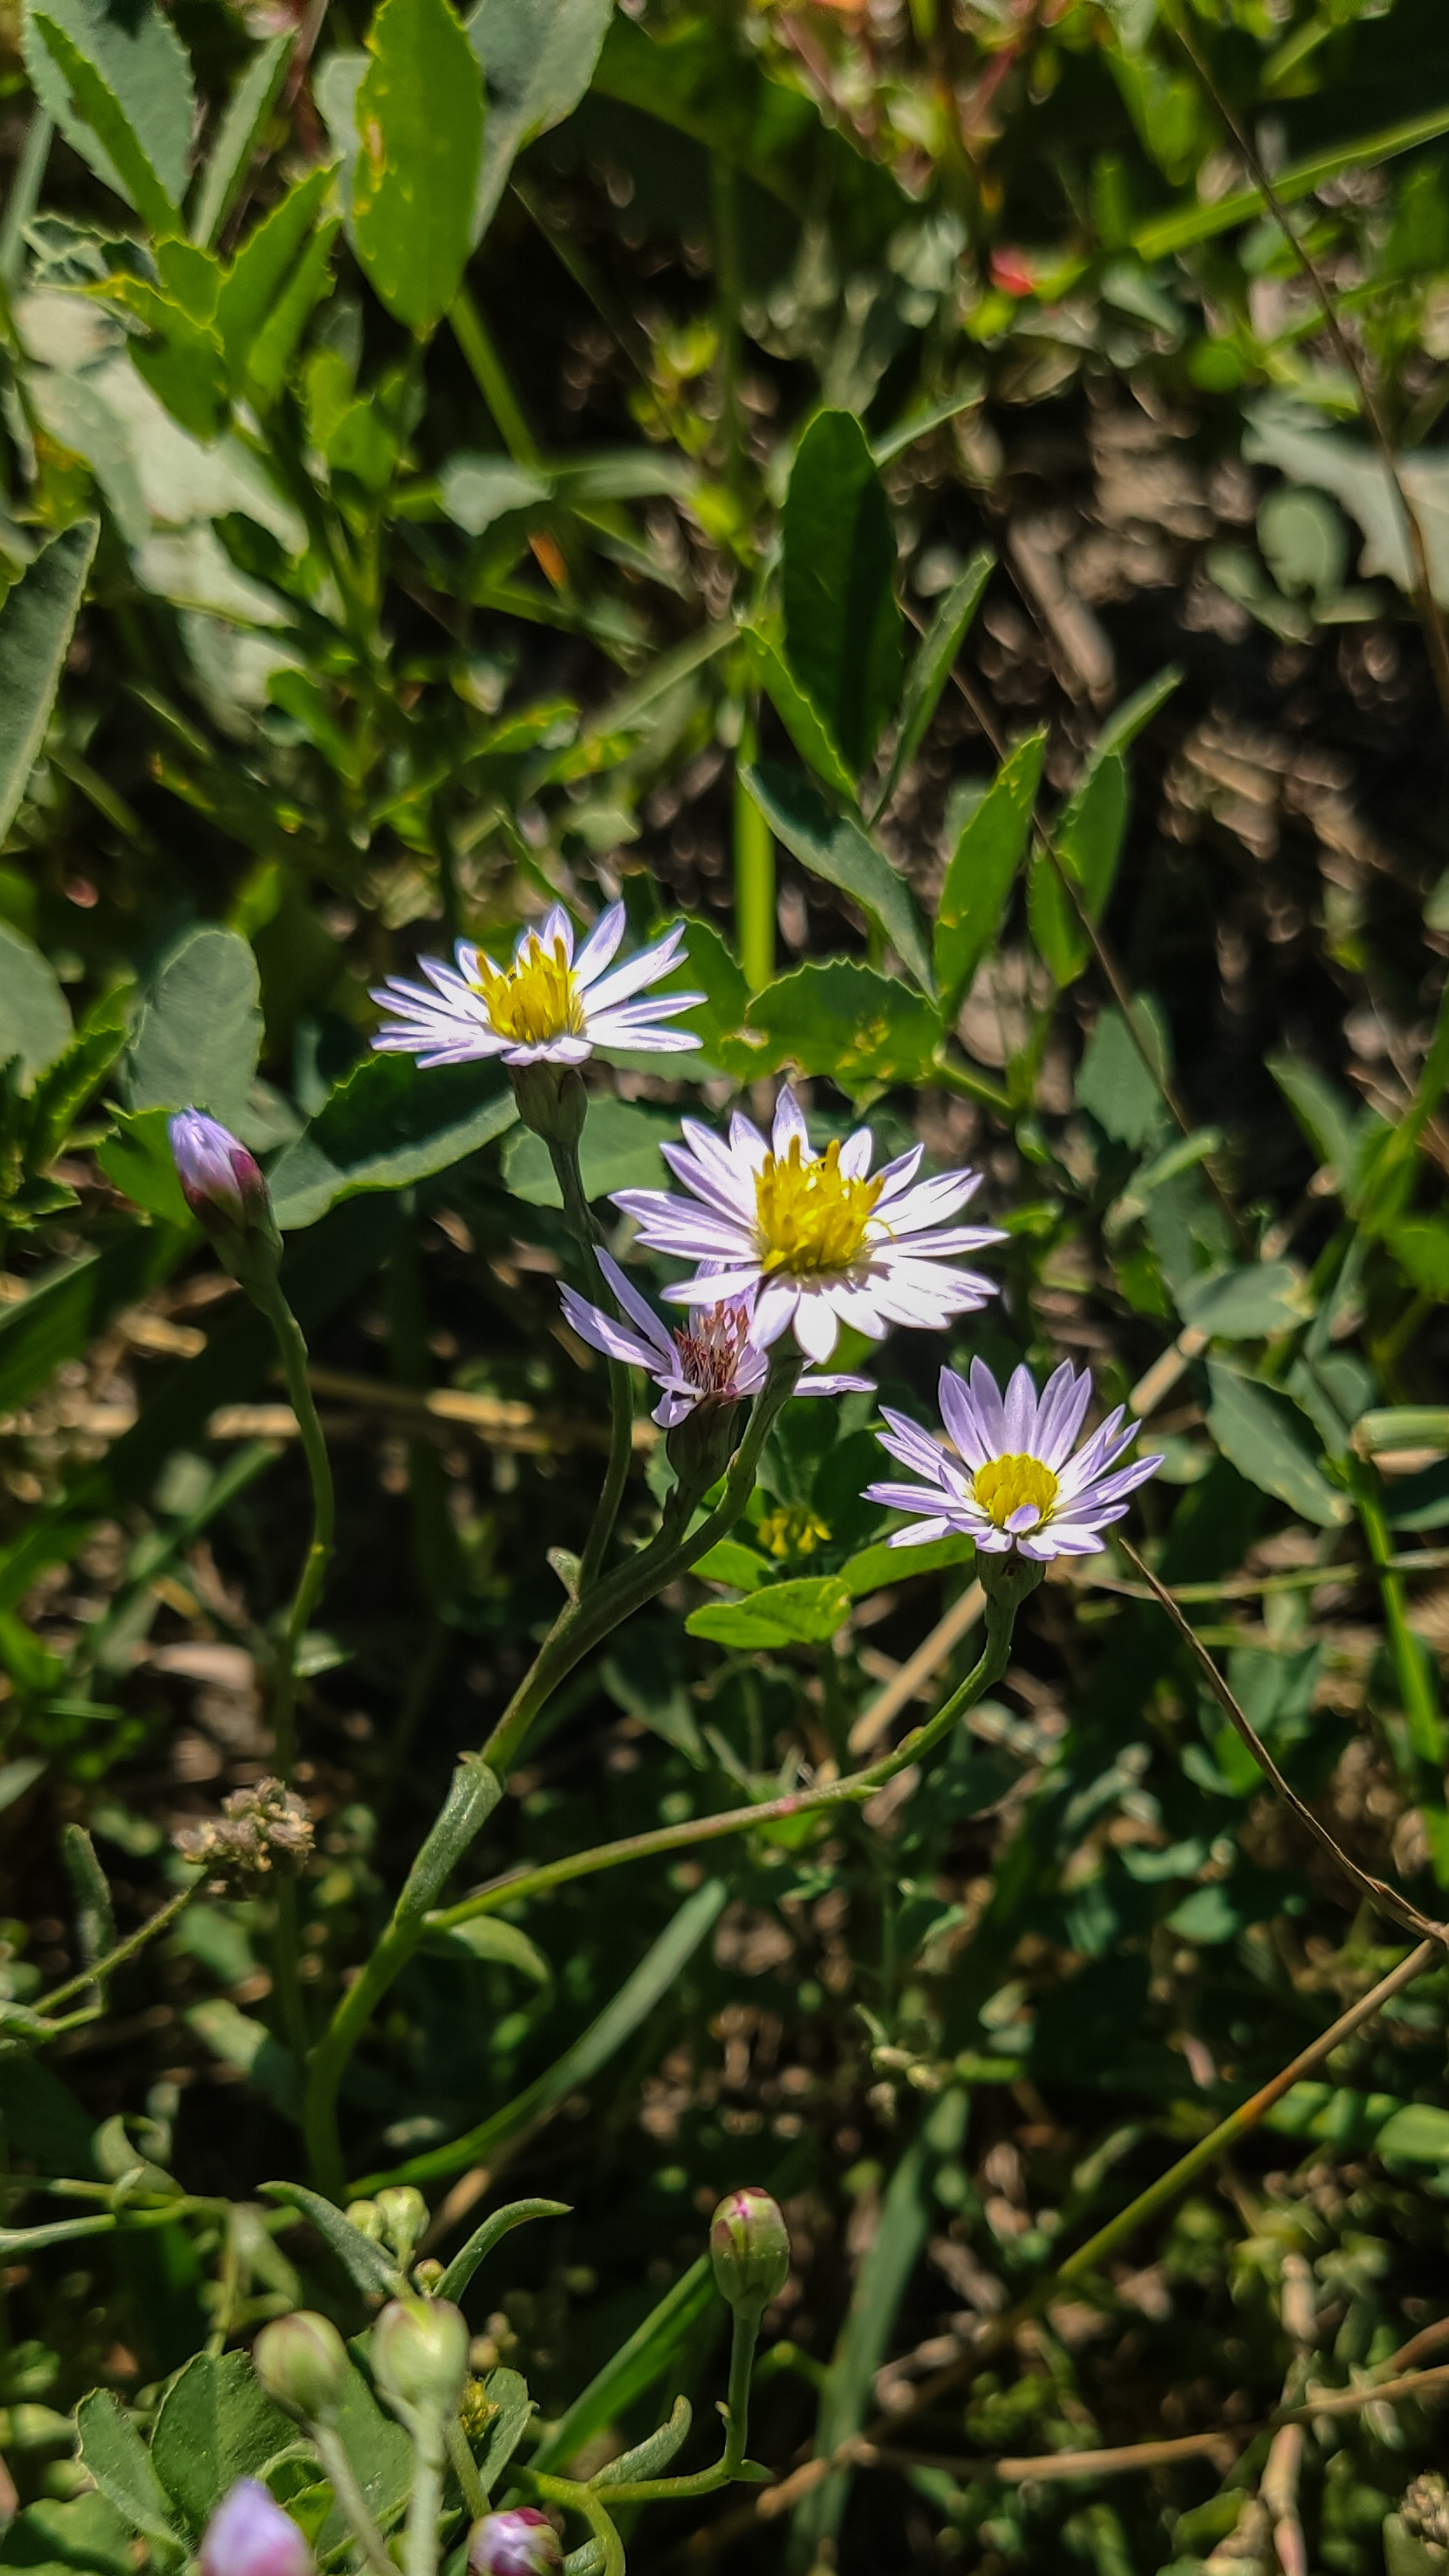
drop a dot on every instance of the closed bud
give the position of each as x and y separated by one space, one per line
404 2214
521 2543
249 2535
222 1185
551 1100
749 2246
302 2362
420 2355
366 2217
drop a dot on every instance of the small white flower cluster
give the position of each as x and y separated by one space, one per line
786 1240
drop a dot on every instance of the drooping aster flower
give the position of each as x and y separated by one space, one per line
812 1238
1014 1483
713 1355
547 1007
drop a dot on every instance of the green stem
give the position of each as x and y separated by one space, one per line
342 2478
737 2432
158 1922
490 376
565 1160
420 2550
853 1791
465 2470
754 871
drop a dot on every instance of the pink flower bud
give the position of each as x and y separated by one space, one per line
521 2543
749 2247
223 1186
249 2535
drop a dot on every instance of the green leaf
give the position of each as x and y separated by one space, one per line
838 557
537 57
36 620
491 1941
508 2391
1114 1083
987 855
1089 836
476 491
70 1078
95 1915
619 1150
200 1029
67 1308
381 2453
259 272
651 2457
730 1561
798 713
118 84
635 2367
419 115
1420 1246
271 352
35 1022
239 134
659 1970
803 1613
492 2232
1258 1433
1245 1304
837 848
875 1568
117 2458
373 2270
391 1123
87 2534
932 666
836 1017
216 2424
138 1160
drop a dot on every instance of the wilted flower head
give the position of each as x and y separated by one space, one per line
547 1006
250 2535
223 1186
1014 1484
813 1239
711 1359
522 2542
254 1825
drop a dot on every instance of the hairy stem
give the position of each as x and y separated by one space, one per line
565 1160
342 2478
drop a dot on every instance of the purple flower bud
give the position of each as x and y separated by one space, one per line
521 2543
249 2535
749 2247
223 1187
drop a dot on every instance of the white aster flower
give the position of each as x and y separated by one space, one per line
547 1007
713 1356
811 1238
1013 1482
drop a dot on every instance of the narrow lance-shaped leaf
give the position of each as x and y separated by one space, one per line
36 622
118 83
842 625
238 135
419 115
987 855
838 848
932 667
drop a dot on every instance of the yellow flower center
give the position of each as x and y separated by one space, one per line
1006 1483
810 1216
792 1530
536 999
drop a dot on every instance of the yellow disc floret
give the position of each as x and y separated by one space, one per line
536 999
1005 1484
792 1529
811 1217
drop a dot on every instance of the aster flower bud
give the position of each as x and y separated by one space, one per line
404 2215
249 2535
551 1100
521 2543
301 2361
222 1185
749 2247
420 2355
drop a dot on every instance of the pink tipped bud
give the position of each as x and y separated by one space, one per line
301 2360
249 2535
223 1186
521 2543
749 2246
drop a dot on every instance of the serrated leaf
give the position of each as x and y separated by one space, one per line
391 1123
35 1023
70 1078
255 280
36 622
118 84
932 666
797 711
419 118
839 849
802 1613
216 2424
238 135
1258 1433
117 2458
839 1018
272 351
200 1029
988 852
837 581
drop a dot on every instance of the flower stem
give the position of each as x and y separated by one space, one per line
565 1160
342 2478
420 2552
754 872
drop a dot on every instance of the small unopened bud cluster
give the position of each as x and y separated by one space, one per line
255 1825
1424 2511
